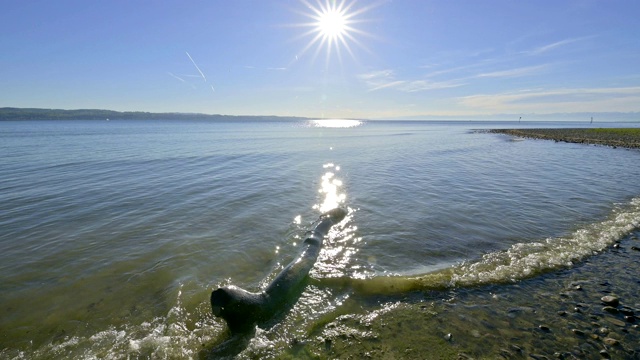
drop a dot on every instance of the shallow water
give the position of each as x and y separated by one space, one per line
113 234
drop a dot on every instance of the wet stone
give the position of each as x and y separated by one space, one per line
610 300
605 354
627 310
562 313
506 353
610 309
630 318
516 348
538 357
611 341
616 322
577 332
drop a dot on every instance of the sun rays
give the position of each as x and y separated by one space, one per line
333 27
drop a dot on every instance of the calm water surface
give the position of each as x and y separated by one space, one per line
113 234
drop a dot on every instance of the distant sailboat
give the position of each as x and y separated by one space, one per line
591 120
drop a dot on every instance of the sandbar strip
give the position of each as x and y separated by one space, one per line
614 137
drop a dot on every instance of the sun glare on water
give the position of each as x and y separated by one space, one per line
335 123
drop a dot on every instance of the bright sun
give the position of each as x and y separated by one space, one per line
332 24
332 27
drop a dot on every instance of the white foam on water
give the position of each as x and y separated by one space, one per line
524 260
518 262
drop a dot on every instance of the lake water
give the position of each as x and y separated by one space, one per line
113 234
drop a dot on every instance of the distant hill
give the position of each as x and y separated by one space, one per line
8 113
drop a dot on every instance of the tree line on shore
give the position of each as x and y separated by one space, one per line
9 113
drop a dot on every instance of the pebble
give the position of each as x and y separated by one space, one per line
448 337
577 332
562 313
538 357
516 348
506 353
627 310
610 309
630 318
616 322
611 341
610 300
604 354
635 248
544 328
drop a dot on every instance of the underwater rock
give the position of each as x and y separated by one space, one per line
610 300
605 354
577 332
616 322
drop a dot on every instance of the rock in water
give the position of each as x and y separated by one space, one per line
610 300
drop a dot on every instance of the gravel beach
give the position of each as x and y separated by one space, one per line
615 137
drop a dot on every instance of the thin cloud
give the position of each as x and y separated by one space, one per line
376 74
385 79
558 100
555 45
384 85
423 85
518 72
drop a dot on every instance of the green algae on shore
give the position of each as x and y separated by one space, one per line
615 137
558 315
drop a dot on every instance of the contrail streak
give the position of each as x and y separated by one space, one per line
175 76
194 64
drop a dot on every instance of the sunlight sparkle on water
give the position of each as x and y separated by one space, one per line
336 123
330 187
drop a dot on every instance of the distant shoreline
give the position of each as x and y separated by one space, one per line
22 114
614 137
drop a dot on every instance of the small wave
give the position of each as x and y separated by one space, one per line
520 261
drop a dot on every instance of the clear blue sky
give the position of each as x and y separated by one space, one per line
397 59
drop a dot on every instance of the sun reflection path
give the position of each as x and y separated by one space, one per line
338 256
330 187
